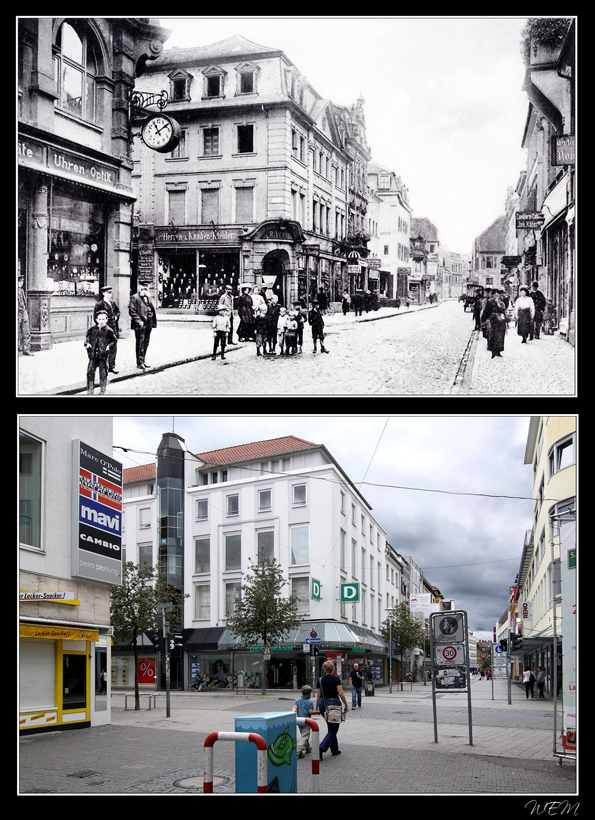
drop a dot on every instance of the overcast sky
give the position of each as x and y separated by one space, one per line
468 546
444 104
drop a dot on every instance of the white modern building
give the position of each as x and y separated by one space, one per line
290 500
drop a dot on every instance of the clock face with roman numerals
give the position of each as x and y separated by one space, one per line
161 133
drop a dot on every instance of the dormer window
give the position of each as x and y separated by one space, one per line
246 82
179 85
213 86
214 82
246 78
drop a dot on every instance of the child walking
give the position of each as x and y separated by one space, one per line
98 342
291 329
315 319
221 327
304 707
281 322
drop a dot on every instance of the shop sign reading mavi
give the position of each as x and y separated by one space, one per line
96 515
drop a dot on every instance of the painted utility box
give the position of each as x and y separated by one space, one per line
279 731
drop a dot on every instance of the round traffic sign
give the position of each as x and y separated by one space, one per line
449 653
313 634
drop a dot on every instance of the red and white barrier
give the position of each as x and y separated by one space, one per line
315 755
261 760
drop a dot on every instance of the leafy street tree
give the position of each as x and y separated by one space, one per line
262 614
134 608
405 632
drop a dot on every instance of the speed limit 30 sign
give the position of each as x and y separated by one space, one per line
454 653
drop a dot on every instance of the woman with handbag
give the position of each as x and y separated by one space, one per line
329 695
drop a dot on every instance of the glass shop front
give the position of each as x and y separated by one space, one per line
292 663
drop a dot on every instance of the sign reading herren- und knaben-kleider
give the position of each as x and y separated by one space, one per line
96 515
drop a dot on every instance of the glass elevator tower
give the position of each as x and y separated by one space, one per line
170 494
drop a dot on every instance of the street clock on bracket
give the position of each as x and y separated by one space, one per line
161 133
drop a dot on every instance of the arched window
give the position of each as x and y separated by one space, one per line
75 64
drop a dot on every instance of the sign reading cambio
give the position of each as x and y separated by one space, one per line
96 515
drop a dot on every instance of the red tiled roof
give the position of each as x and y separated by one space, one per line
230 455
257 449
146 472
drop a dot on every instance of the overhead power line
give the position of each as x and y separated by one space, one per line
373 484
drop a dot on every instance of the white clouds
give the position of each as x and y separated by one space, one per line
463 540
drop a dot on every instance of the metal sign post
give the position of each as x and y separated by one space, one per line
163 608
449 649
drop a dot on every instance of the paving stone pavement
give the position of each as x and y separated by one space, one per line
147 753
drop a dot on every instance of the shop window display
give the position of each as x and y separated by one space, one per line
178 280
76 257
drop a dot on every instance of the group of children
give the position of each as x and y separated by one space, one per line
276 326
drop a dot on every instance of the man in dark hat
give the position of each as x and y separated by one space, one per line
226 302
143 319
107 304
539 302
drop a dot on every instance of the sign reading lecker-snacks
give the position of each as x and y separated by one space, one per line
96 515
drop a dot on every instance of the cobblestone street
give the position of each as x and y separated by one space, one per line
405 354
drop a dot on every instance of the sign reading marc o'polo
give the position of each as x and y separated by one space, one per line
97 515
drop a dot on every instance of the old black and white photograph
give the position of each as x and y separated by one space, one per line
310 206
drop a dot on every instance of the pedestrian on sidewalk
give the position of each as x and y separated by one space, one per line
113 318
356 679
345 303
272 318
260 325
300 317
226 301
317 322
304 708
24 328
221 324
100 337
540 681
291 331
494 314
524 310
143 319
477 310
539 302
485 324
329 693
281 325
529 681
246 314
358 303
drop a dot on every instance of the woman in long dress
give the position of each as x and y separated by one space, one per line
494 314
524 311
246 314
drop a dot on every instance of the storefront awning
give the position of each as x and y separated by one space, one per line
533 644
204 639
333 635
